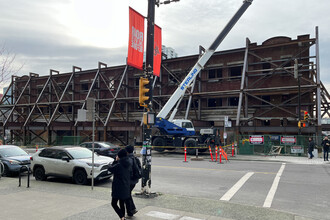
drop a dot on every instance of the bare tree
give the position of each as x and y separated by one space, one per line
7 65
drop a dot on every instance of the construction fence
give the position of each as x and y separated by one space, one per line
294 145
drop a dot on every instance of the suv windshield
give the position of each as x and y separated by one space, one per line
12 151
80 153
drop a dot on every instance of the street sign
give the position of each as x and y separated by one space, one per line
90 106
256 139
228 124
82 115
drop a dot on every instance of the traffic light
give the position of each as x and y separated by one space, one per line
143 90
302 124
306 116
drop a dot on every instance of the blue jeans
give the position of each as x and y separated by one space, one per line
310 154
325 153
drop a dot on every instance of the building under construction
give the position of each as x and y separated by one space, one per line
262 88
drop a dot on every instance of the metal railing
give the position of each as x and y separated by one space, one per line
21 170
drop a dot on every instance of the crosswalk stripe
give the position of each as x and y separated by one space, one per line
162 215
230 193
169 216
189 218
272 191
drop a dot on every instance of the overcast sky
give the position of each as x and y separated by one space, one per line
57 34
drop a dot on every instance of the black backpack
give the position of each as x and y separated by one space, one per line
136 168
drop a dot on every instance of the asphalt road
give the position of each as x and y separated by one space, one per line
294 188
301 189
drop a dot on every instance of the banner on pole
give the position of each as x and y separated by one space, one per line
157 50
136 39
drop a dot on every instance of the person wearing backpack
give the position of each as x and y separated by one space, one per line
121 169
135 176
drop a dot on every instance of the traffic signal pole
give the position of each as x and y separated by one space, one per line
146 147
145 98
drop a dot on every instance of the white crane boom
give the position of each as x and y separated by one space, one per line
180 91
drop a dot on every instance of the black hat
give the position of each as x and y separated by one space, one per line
129 149
122 153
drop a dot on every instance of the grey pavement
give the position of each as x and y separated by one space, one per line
53 200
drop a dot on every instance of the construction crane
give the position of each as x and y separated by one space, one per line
181 132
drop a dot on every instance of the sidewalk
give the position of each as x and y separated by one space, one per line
50 200
284 159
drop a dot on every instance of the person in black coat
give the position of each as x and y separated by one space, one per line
134 180
121 169
311 146
325 144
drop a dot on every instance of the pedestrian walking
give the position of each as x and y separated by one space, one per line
121 169
311 146
325 144
135 176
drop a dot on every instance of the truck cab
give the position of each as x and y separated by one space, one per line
184 123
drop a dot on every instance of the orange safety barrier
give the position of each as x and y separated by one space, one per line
216 153
220 154
185 154
224 154
211 153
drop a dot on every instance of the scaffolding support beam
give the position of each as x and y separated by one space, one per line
61 98
318 84
17 101
115 98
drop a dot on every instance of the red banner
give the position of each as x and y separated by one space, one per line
157 50
136 39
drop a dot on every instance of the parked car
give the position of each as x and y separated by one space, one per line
13 158
103 148
69 161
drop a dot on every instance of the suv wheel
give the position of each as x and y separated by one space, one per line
6 171
39 174
80 177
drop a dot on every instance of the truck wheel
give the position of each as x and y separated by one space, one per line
191 145
158 141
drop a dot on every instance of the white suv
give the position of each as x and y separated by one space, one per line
69 161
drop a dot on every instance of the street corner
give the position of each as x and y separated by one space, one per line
41 205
